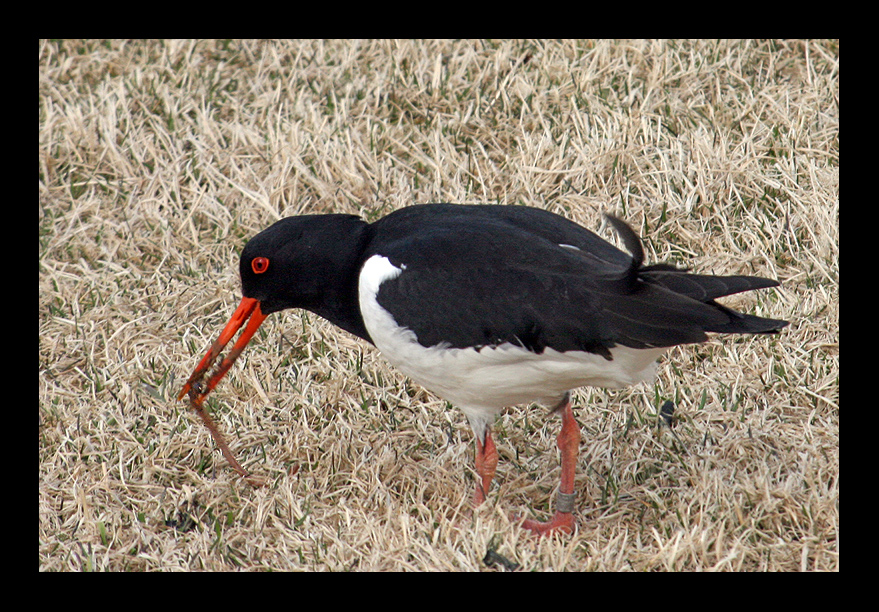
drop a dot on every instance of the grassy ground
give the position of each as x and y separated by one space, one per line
159 159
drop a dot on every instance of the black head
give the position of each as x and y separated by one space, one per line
311 262
307 262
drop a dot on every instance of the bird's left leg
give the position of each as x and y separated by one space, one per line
569 444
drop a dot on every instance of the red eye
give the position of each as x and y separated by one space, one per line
259 264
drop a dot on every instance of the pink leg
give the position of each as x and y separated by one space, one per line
486 464
569 445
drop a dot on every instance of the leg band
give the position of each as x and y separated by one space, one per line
565 502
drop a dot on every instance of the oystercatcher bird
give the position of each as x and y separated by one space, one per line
487 306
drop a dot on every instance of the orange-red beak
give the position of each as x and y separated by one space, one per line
247 309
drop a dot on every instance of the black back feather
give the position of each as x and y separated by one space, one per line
486 275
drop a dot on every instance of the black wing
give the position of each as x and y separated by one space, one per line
485 275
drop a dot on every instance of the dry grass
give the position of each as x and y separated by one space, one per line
159 159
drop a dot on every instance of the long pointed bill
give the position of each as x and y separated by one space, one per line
247 309
197 390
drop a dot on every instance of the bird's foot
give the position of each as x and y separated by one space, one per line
562 521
